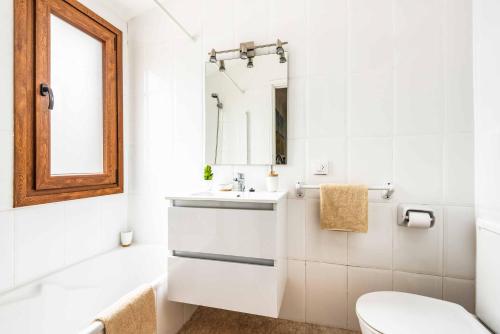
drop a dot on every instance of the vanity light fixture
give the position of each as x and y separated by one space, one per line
222 67
250 62
213 56
279 48
243 52
247 50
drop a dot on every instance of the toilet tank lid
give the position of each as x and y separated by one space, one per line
392 312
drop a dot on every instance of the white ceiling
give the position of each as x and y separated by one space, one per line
128 9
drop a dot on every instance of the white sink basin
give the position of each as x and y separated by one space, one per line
229 194
257 197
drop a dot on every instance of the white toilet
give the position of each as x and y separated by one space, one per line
390 312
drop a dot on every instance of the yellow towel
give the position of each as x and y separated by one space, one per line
344 207
133 314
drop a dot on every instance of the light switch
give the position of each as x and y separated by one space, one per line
320 167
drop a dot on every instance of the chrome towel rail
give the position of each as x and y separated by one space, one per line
388 189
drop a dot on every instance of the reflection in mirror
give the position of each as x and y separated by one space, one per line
246 112
76 121
281 112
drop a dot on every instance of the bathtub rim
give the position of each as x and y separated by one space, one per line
40 279
97 327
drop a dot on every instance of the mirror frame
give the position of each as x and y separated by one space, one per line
33 182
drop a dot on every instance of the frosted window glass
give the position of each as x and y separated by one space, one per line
77 119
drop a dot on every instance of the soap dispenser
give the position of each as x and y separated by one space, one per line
272 180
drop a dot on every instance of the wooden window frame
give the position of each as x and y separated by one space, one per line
33 182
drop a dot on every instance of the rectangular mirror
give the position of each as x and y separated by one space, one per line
246 111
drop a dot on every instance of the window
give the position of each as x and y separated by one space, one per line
68 103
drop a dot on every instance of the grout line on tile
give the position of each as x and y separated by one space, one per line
348 93
444 146
14 242
394 105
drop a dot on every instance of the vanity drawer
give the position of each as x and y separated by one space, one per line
246 233
238 287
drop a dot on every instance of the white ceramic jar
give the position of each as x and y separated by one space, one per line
126 238
272 183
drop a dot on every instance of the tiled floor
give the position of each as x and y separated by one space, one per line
214 321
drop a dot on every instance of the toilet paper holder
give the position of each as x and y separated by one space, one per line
405 210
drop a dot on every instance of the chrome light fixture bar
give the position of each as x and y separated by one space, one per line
247 50
279 48
213 56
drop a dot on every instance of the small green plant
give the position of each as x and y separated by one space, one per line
207 173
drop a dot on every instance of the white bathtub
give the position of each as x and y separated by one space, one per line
68 301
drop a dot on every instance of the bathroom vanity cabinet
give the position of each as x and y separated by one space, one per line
228 250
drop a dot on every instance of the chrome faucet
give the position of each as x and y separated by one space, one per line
240 178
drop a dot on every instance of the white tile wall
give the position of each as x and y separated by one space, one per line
296 229
39 241
216 35
371 36
419 88
419 250
318 13
290 27
331 150
296 106
460 291
370 264
326 106
6 174
459 242
379 89
294 301
323 245
6 250
244 14
458 79
172 313
289 174
487 160
113 220
7 64
326 297
425 285
374 249
85 233
419 169
361 281
371 104
459 169
370 160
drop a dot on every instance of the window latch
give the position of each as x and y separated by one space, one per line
46 90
